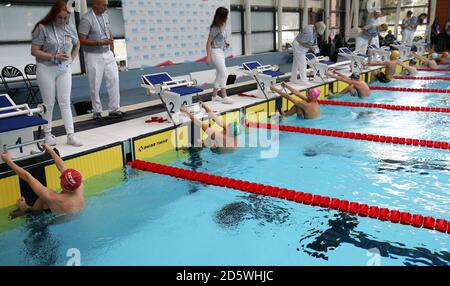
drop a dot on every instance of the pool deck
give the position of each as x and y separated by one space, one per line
110 146
122 131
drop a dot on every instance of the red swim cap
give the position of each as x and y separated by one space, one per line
70 179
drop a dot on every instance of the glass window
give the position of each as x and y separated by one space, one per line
236 44
236 21
262 21
290 21
262 42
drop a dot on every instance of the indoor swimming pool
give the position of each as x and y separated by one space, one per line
152 219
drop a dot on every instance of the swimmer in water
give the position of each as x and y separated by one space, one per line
356 86
306 107
428 63
410 69
69 200
222 141
390 65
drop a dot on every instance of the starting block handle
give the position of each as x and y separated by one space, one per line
7 148
24 109
178 83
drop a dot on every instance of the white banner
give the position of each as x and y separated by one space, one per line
159 31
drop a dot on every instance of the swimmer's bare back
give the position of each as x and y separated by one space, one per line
363 89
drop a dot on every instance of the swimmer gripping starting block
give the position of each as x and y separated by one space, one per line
379 54
265 76
320 65
16 129
357 61
404 50
173 93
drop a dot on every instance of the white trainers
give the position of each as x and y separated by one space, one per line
227 100
72 140
50 139
216 98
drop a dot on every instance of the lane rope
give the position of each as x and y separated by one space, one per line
355 136
410 89
384 106
355 208
421 77
434 70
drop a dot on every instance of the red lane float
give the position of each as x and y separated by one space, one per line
410 89
385 106
421 77
364 210
434 70
355 135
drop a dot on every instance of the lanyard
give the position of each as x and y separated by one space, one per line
100 26
57 39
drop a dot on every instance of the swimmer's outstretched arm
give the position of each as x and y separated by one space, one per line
419 57
197 122
402 64
376 64
40 190
212 115
294 91
58 161
290 112
287 96
340 77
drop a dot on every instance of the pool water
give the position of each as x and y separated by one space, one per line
151 219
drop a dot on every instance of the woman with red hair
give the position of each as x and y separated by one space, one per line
55 45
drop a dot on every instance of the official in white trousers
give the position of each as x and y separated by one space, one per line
98 44
55 45
99 66
304 42
216 45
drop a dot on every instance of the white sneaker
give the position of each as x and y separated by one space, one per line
227 100
216 98
72 140
50 139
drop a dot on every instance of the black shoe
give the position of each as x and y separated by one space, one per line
97 116
116 114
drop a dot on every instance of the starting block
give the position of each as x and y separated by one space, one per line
320 65
265 76
357 61
173 93
16 128
404 50
421 47
379 54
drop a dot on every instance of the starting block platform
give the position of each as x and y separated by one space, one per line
379 54
404 50
265 76
320 65
357 61
16 129
173 93
421 47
